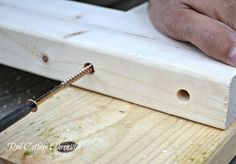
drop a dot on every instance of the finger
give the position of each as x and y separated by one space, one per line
221 10
205 7
213 37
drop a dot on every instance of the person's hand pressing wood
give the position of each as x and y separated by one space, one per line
208 24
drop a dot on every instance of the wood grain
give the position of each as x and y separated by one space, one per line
108 130
133 61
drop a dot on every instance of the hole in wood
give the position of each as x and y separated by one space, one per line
66 147
183 95
45 58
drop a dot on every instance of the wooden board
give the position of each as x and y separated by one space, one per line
133 61
108 130
141 9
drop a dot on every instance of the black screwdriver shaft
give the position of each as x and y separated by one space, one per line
32 106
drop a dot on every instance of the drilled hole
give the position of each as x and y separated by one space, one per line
66 147
183 95
45 58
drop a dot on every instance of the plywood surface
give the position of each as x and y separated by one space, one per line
55 38
108 130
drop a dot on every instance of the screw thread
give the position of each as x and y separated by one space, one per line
86 70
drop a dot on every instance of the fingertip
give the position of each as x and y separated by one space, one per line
231 59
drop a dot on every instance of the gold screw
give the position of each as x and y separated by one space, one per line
88 69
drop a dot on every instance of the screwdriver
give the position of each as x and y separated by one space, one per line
32 105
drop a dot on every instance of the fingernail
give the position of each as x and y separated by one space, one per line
232 56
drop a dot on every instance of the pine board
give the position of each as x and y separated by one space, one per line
55 38
108 130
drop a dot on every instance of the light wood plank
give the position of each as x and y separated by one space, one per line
133 61
141 9
108 130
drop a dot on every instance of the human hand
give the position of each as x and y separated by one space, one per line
208 24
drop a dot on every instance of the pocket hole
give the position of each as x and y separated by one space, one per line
183 95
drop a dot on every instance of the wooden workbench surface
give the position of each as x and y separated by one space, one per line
109 130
